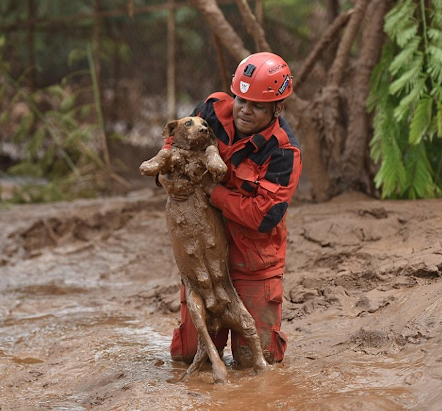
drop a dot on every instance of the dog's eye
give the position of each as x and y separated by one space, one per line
188 123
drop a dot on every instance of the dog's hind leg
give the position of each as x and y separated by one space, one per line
198 313
199 359
240 320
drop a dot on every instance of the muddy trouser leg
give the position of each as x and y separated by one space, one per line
185 338
263 299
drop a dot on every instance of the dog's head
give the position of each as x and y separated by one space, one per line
190 133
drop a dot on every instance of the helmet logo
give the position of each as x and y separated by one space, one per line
244 87
284 85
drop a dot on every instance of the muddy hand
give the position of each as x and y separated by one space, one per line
207 183
215 164
157 164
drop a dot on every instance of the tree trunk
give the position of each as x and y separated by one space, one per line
356 159
309 134
333 11
333 97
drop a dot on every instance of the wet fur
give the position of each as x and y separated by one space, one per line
199 244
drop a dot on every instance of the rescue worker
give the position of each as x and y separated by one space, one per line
264 165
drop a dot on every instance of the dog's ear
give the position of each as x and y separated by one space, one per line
169 130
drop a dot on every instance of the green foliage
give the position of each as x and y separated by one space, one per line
406 97
59 140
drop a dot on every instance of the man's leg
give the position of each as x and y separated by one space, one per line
263 299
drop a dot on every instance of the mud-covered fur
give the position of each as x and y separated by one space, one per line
198 240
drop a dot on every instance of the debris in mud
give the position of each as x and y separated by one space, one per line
375 341
377 212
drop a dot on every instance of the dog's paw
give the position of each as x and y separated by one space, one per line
149 168
157 164
215 164
217 169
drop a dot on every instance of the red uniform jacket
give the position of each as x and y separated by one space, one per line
263 172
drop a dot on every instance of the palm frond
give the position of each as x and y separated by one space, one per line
421 119
403 57
409 32
406 104
435 63
419 174
392 175
410 75
408 115
399 17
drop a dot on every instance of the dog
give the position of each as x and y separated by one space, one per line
198 240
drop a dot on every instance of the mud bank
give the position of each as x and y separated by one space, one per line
89 300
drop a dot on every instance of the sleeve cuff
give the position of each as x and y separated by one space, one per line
219 196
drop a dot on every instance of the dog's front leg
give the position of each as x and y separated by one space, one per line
158 164
215 163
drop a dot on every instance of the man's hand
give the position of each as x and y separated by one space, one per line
209 188
207 183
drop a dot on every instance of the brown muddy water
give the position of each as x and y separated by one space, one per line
89 300
61 353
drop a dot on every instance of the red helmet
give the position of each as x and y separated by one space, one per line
262 77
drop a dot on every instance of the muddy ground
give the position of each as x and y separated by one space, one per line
89 300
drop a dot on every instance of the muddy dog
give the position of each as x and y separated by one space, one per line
198 240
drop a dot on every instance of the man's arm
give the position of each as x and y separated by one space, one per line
265 209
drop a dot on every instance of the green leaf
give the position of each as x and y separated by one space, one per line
439 119
421 119
85 110
26 123
36 142
409 77
435 35
399 17
419 175
405 55
410 100
435 63
26 168
55 90
392 175
76 55
409 32
67 102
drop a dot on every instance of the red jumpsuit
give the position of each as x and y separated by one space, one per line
263 172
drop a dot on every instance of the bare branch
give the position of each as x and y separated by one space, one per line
221 28
327 38
252 26
353 27
333 8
